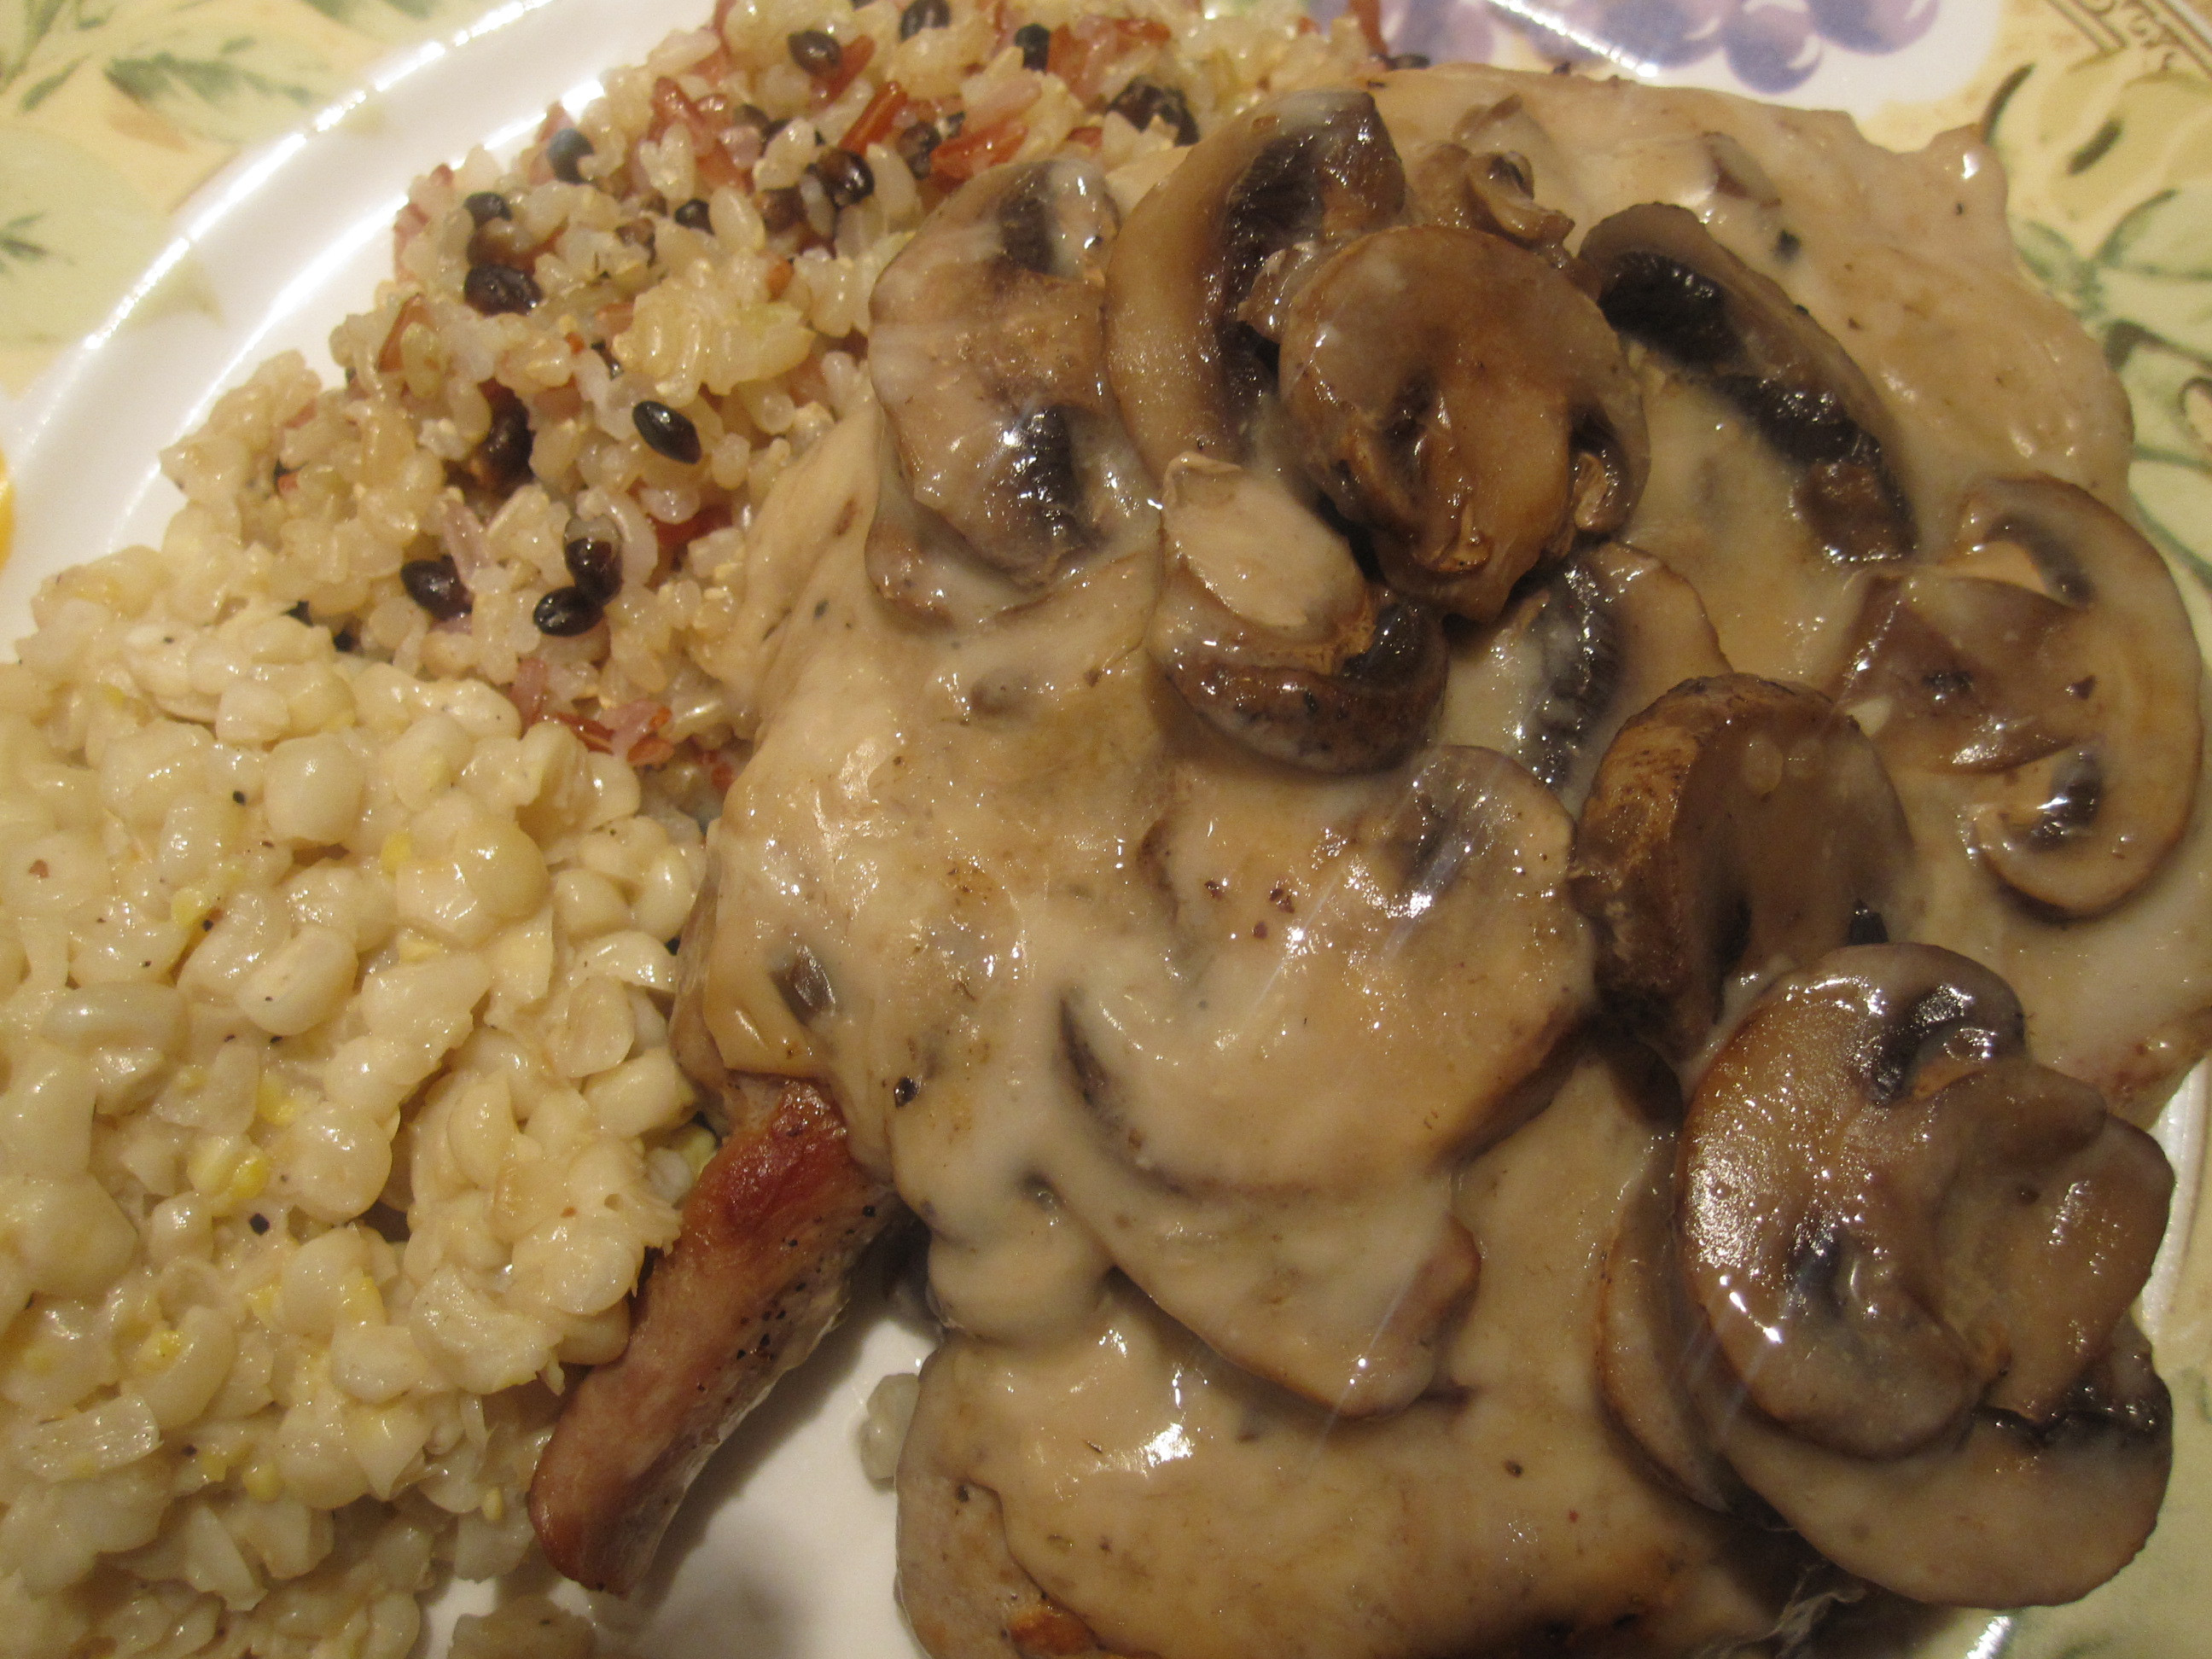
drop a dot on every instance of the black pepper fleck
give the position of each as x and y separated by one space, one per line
1034 41
903 1091
487 204
259 1223
666 431
693 215
238 797
437 586
924 14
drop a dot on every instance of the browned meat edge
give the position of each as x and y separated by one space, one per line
756 1276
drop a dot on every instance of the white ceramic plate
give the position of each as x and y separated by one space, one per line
784 1551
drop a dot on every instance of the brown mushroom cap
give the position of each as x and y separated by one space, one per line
1466 402
1912 1248
1737 826
1303 171
989 358
1640 1351
1273 637
2068 706
1661 279
1999 1515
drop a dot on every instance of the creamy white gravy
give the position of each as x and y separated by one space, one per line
1139 1021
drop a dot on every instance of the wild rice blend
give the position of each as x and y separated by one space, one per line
343 839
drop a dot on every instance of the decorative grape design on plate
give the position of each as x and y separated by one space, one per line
1771 46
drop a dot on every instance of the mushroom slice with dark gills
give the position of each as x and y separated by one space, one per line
1250 209
1493 191
1606 633
1466 402
1738 828
1273 637
2048 668
1910 1252
1482 179
1663 280
989 356
1641 1353
1362 985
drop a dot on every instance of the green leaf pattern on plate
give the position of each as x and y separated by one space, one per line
231 87
397 20
86 85
74 232
2117 225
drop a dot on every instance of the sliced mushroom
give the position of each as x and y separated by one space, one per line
2000 1515
1487 190
1275 638
1463 399
921 567
1663 280
1738 828
989 355
1640 1350
1359 986
2062 687
1609 632
1914 1250
1302 172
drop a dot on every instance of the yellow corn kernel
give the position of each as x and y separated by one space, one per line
228 1171
248 1182
191 906
210 1465
274 1102
263 1481
158 1351
413 947
494 1505
360 1302
695 1144
398 847
263 1300
212 1161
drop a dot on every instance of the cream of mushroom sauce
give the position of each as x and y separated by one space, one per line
1104 992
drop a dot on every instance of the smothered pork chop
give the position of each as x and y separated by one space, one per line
1484 798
